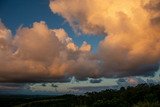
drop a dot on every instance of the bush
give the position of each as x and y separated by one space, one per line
147 104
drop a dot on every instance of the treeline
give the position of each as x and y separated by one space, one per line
143 95
125 97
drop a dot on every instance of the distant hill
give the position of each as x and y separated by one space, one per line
142 95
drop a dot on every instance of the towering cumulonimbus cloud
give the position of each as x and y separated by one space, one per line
132 42
131 45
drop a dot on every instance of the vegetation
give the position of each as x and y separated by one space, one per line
142 95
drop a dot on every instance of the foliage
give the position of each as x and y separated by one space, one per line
143 95
147 104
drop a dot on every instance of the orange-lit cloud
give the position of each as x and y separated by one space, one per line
131 45
39 54
132 42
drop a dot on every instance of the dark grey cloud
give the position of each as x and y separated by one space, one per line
152 81
121 80
54 85
14 86
43 84
95 80
145 70
93 88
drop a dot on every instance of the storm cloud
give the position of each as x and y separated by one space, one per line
131 46
132 43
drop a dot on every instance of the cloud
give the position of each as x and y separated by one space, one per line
132 43
40 54
27 55
130 81
54 85
152 81
134 81
154 8
95 80
82 90
13 86
85 47
43 84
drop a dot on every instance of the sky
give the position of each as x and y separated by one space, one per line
71 46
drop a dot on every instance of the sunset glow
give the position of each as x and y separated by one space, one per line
60 46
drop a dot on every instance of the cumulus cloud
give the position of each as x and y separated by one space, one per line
85 47
132 43
40 54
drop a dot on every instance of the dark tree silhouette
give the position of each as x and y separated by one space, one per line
142 95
